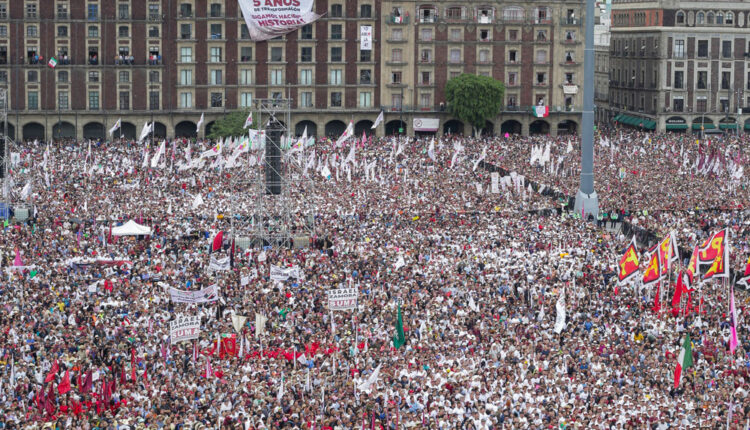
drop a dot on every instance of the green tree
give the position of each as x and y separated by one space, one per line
231 125
474 99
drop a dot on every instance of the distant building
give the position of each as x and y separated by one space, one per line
679 66
601 64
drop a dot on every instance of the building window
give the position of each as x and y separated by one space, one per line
123 11
702 80
726 78
246 77
215 10
703 48
94 100
305 99
246 100
512 78
365 55
31 11
217 100
153 12
186 100
336 32
3 11
62 31
426 34
700 104
365 76
215 55
123 31
710 18
244 32
396 55
62 76
306 32
337 11
679 79
679 49
455 34
124 100
365 11
397 34
729 19
153 77
511 100
513 13
678 104
215 77
186 31
277 77
425 79
62 100
246 53
484 35
425 100
335 99
719 18
32 76
541 56
186 77
541 78
4 78
513 35
700 18
216 32
305 77
93 76
680 17
153 100
124 77
335 77
93 31
336 55
31 31
305 55
396 77
186 10
512 56
726 48
153 31
94 14
3 31
186 55
276 54
365 99
455 55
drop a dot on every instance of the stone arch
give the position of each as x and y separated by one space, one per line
208 128
539 127
63 130
488 129
391 127
185 129
127 130
94 130
32 130
363 126
453 126
335 128
567 126
511 126
312 128
160 130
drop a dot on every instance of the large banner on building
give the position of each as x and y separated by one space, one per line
267 19
185 327
365 38
342 299
208 294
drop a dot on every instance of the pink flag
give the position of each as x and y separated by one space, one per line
195 352
209 370
732 322
17 261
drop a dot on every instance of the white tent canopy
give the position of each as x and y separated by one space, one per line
131 228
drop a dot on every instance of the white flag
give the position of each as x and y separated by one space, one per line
349 132
26 192
248 121
367 385
431 150
570 147
117 125
260 324
146 130
399 263
238 321
560 320
159 153
200 123
197 201
350 157
378 120
214 151
481 158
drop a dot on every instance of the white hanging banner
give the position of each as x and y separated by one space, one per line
184 327
365 38
267 19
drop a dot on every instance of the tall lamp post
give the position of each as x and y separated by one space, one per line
587 202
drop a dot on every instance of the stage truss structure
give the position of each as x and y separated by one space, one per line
261 219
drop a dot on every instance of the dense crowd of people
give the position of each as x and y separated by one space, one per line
509 302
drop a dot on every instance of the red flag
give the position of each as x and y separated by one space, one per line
218 241
653 270
123 378
52 372
677 295
87 382
49 402
745 276
628 264
64 386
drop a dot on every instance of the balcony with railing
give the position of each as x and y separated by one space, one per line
398 19
570 21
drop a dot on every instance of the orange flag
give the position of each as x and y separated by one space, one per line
653 270
712 248
628 264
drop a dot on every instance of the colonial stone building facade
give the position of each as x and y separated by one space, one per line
680 66
169 61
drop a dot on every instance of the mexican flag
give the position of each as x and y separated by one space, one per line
399 339
540 111
684 361
52 62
